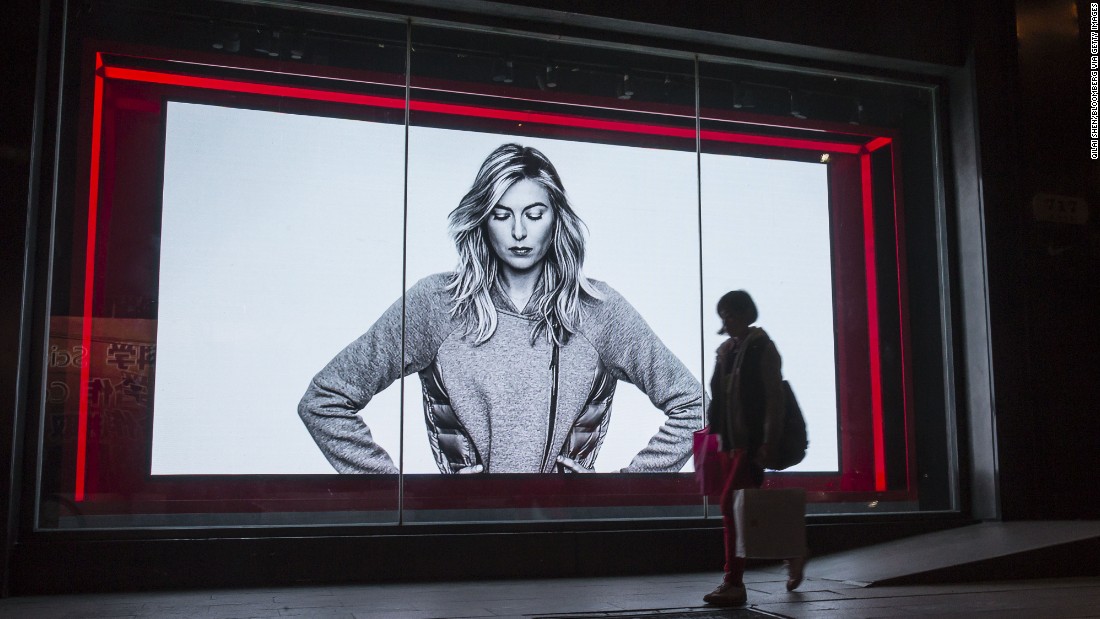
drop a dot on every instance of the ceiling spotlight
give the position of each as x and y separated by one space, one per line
232 41
276 38
742 97
670 87
625 89
504 71
824 157
857 113
798 105
549 76
297 46
225 38
265 41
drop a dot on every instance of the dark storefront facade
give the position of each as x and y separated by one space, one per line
225 195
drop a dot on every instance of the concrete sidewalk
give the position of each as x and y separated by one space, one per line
678 595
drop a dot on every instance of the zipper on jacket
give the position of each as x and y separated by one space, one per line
553 405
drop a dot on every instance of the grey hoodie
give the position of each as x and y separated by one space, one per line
494 398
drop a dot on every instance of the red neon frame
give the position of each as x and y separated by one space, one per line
563 120
903 298
104 72
872 322
89 273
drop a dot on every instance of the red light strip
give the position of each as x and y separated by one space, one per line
877 143
89 284
561 120
872 324
903 304
209 83
872 146
213 83
762 140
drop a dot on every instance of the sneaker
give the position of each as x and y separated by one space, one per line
727 594
795 568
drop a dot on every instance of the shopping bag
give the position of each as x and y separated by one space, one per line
708 467
771 524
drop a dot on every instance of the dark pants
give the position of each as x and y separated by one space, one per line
740 472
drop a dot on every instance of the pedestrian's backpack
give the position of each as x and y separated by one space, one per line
792 445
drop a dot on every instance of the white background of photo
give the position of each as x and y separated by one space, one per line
281 243
766 230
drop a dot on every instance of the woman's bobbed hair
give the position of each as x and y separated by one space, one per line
738 302
558 295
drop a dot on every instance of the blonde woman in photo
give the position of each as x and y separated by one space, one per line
518 352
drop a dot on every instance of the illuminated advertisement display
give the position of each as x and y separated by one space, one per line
550 320
355 298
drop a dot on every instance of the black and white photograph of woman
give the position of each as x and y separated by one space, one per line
518 352
270 266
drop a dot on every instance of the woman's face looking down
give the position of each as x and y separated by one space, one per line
521 226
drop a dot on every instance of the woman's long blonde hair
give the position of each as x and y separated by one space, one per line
558 295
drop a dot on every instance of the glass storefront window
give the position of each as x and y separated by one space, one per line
297 281
230 175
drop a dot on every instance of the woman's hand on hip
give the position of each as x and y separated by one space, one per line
572 465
